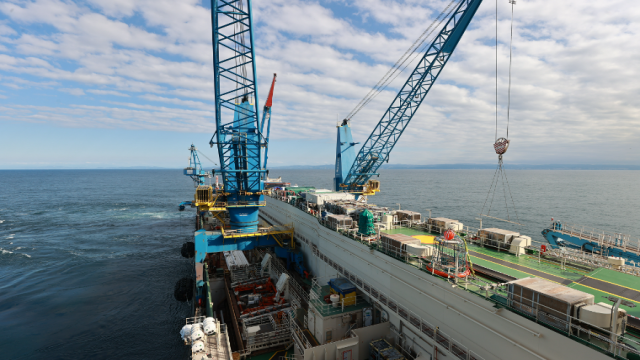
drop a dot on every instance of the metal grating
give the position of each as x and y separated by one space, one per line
358 282
347 273
383 299
374 293
366 288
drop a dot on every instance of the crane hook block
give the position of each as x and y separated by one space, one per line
501 145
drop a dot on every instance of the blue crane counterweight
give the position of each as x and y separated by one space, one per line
387 132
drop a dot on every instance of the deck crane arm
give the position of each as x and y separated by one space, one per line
394 121
266 117
238 135
194 170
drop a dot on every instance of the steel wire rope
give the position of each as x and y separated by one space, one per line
205 156
512 2
511 195
415 56
493 180
496 137
403 69
424 48
500 168
395 66
504 191
386 79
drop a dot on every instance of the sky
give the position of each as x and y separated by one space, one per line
127 83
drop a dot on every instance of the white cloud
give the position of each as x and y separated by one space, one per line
76 91
571 88
107 92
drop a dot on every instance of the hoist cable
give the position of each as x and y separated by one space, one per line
511 195
510 52
205 156
395 69
504 191
386 79
496 138
500 174
493 180
396 73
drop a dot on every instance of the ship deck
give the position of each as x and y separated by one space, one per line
600 282
327 310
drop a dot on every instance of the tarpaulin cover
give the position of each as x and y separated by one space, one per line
342 286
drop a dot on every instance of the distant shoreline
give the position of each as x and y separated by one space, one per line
387 167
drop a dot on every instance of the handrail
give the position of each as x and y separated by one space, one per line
374 246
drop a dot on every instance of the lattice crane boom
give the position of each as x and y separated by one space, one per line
387 132
239 141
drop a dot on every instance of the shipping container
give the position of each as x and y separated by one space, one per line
396 243
549 302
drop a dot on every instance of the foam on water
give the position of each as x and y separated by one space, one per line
99 277
94 268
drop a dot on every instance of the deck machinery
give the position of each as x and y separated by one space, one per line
227 213
228 221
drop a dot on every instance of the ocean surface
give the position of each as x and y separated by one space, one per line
89 258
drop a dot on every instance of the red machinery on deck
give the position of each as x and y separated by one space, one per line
257 295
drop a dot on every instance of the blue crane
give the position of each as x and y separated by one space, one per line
353 172
239 134
194 170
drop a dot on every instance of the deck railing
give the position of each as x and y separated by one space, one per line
615 346
316 297
602 238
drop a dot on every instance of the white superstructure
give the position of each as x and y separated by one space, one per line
430 311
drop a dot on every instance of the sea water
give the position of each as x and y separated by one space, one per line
89 258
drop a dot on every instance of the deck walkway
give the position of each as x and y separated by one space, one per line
601 282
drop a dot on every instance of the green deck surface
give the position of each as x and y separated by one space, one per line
612 276
531 262
600 297
499 268
527 261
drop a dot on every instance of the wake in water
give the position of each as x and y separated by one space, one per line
4 251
